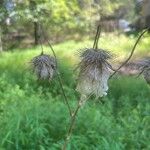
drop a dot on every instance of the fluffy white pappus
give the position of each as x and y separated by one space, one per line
94 73
44 66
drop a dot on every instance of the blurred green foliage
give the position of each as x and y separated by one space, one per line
33 115
61 19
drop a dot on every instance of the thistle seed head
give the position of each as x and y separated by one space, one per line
144 63
44 66
145 67
94 72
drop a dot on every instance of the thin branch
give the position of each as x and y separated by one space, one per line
98 36
110 67
63 92
133 49
59 77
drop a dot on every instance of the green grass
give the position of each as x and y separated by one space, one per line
119 45
34 117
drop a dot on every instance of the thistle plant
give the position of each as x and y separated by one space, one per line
92 80
93 76
131 54
146 74
145 69
44 66
94 72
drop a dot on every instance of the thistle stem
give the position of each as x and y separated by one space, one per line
72 122
97 36
131 54
63 92
59 77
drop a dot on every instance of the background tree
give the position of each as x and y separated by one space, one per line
2 17
62 19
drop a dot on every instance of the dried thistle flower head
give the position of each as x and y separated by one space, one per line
94 72
145 67
44 66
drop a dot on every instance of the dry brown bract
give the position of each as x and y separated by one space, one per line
44 66
94 72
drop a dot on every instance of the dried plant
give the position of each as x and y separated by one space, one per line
94 72
57 73
93 76
145 69
44 66
131 54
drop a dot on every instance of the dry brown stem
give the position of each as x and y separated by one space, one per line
131 54
72 122
59 77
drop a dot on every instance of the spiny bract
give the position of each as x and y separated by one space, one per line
44 66
94 72
145 67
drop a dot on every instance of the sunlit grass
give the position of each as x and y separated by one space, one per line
119 45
